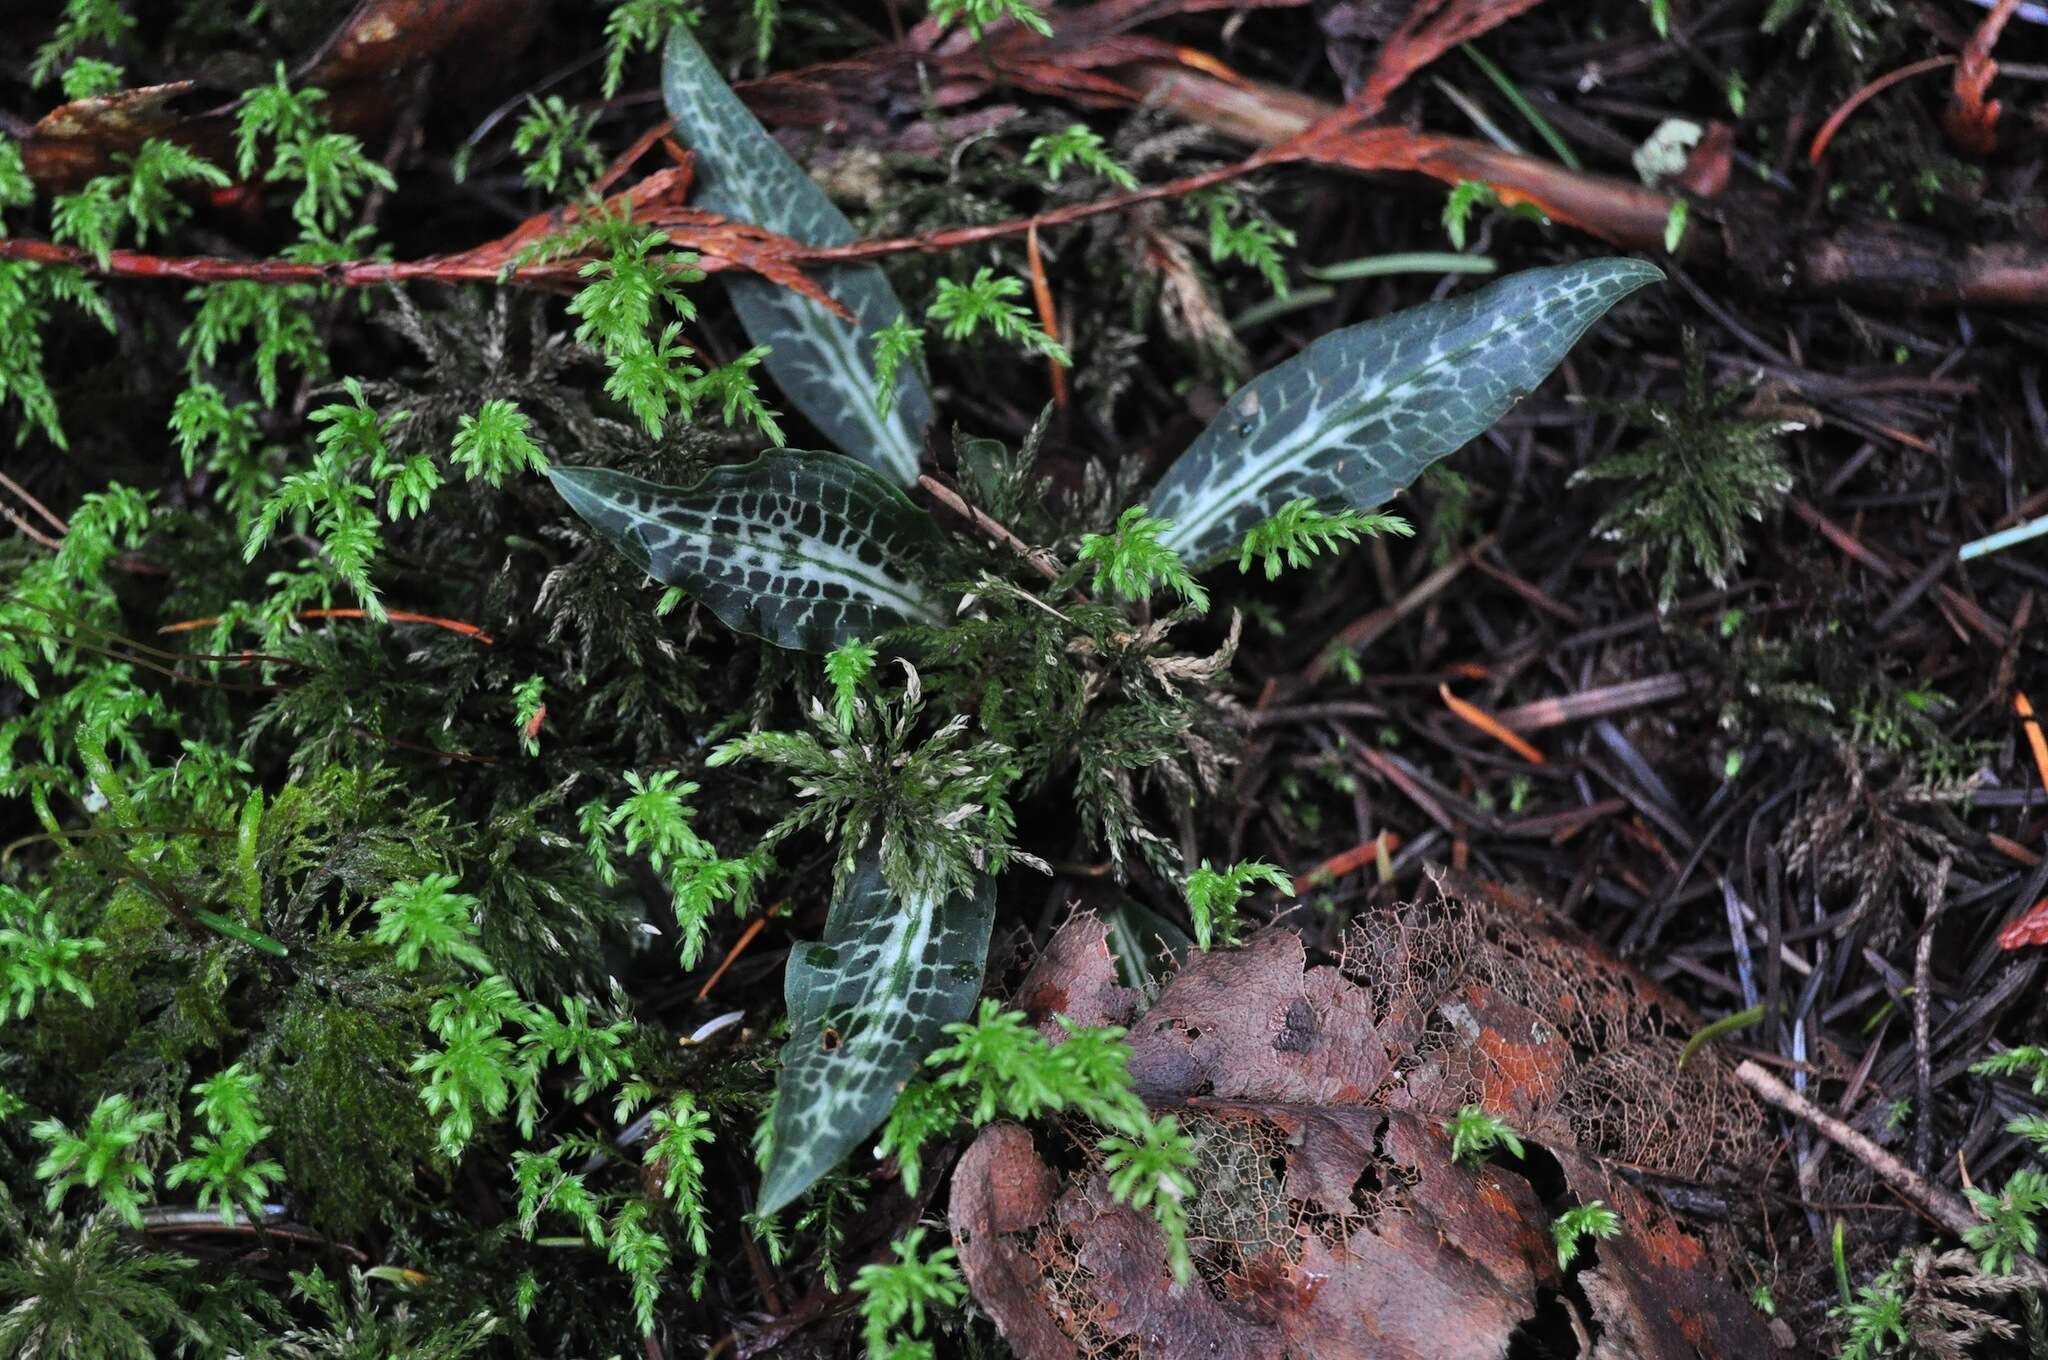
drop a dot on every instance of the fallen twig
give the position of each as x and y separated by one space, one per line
54 520
1595 703
1938 1204
1826 135
982 520
468 630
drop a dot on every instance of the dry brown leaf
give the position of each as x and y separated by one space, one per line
1076 977
1329 1219
358 67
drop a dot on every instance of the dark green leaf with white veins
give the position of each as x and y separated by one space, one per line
866 1006
807 550
824 364
1360 413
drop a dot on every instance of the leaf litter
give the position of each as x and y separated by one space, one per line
1330 1219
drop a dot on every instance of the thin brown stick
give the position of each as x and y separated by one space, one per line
1923 977
1594 703
982 520
53 544
1946 1209
208 1221
56 521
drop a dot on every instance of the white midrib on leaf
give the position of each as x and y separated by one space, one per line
839 565
1311 435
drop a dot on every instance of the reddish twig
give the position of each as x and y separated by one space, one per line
719 243
53 544
54 520
1595 703
1432 28
1042 561
1865 95
628 158
468 630
2012 849
657 200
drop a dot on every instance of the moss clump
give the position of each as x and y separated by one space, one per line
350 1129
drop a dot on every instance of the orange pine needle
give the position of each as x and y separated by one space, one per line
739 947
1041 293
468 630
1352 860
2025 708
1490 725
1208 65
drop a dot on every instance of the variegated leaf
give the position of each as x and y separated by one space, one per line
866 1005
1360 413
807 550
824 364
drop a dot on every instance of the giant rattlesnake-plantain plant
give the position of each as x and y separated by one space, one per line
815 550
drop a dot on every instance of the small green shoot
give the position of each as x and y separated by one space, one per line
984 301
1298 531
530 709
429 918
896 344
101 1158
1727 1024
1591 1219
978 15
1133 564
638 26
896 1296
1213 896
221 1166
554 140
845 667
1465 196
1253 241
1674 225
37 955
1078 145
1475 1135
2009 1230
2026 1062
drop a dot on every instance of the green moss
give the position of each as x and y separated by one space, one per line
350 1129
